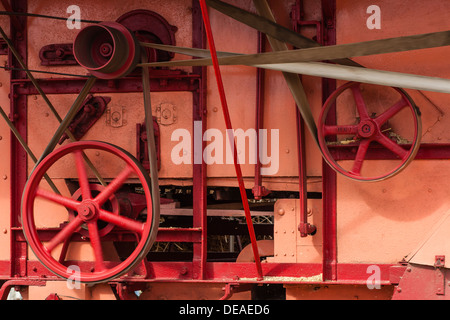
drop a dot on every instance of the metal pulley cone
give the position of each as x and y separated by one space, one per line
108 50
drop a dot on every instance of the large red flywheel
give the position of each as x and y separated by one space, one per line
96 205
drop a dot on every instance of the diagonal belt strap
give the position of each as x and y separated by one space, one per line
331 53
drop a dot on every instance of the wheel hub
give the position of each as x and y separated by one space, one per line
88 211
367 129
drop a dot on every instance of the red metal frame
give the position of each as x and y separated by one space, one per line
18 114
197 270
329 178
200 246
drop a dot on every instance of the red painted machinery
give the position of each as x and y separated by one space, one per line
208 149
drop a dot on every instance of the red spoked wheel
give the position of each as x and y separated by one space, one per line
370 119
93 214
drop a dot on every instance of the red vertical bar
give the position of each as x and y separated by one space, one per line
199 170
226 114
259 191
18 115
304 227
329 176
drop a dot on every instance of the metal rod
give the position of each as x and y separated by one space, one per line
229 127
304 227
259 190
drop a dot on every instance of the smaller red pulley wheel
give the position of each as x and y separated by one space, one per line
91 214
108 50
370 122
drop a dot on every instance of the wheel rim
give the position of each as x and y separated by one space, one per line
89 212
367 131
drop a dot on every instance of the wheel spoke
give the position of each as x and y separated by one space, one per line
113 186
64 234
337 130
391 145
121 221
360 156
96 244
392 111
62 255
53 197
360 104
82 175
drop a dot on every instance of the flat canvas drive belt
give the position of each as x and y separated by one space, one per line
306 61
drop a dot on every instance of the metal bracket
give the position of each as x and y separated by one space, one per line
231 288
91 110
297 18
4 289
57 54
166 114
439 277
115 116
141 144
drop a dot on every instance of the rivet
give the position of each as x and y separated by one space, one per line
184 271
281 211
5 177
5 231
